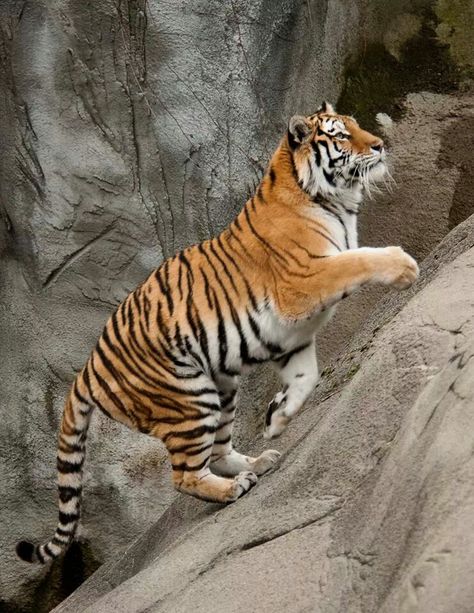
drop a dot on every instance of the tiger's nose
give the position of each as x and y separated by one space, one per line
377 145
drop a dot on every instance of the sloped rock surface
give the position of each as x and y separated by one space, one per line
372 506
128 129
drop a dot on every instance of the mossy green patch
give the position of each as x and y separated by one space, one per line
456 29
377 81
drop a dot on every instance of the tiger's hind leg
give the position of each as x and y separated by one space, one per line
225 460
299 373
190 446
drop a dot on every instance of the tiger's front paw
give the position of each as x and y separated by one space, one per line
402 270
276 426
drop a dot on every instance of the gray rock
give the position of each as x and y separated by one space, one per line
371 507
129 129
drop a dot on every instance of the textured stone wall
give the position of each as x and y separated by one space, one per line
129 129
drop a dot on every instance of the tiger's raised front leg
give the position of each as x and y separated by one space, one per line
333 278
299 373
337 276
225 460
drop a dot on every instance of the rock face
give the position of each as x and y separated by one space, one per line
372 506
129 129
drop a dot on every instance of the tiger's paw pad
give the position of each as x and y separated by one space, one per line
243 482
276 426
266 461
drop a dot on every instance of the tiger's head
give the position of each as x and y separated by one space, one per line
333 156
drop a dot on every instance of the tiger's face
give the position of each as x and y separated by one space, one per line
333 155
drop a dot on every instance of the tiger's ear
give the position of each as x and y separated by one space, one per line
298 130
326 108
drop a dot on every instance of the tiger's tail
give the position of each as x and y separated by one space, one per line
71 453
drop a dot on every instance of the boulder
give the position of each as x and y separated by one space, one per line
371 508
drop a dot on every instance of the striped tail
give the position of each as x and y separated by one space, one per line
71 454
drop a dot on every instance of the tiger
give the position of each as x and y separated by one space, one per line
169 358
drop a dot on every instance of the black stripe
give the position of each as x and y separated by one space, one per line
207 289
138 371
328 176
331 162
67 518
67 493
190 434
221 336
335 214
313 256
325 236
48 550
223 264
147 309
69 467
272 175
164 290
239 242
213 406
185 261
285 264
77 394
179 338
180 279
228 397
272 407
317 152
294 172
269 346
188 449
284 359
198 329
66 447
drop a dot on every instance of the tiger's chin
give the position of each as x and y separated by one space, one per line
377 172
369 173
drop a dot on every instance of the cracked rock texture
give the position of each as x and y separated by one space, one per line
129 129
371 509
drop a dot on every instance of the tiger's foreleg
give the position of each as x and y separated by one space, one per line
299 373
333 278
225 460
338 276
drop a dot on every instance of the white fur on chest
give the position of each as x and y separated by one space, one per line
342 226
289 335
